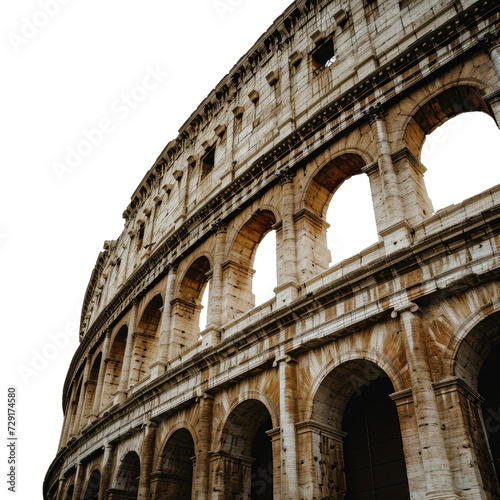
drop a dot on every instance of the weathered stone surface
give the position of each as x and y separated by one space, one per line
257 405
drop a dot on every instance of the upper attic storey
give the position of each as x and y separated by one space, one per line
255 81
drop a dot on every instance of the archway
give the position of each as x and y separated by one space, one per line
114 366
146 340
93 485
244 464
238 269
464 147
337 175
357 441
174 479
477 363
127 479
187 306
69 493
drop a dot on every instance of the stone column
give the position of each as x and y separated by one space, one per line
60 489
288 418
81 399
288 287
100 380
158 368
214 316
78 490
395 230
438 477
67 422
147 457
202 470
321 469
493 50
121 393
107 470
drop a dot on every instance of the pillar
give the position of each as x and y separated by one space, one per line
81 400
121 393
288 287
147 457
288 418
204 441
158 368
78 491
437 472
107 470
493 50
214 316
100 380
395 231
60 489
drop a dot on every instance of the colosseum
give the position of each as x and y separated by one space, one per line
373 378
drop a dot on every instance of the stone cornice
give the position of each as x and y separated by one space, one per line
290 151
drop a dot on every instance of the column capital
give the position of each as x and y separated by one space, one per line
403 307
218 226
285 175
490 40
375 112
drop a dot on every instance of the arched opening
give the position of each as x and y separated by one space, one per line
146 340
91 385
69 493
186 308
245 461
461 156
353 208
127 479
174 480
374 463
93 485
477 363
238 270
264 280
114 366
489 389
446 146
358 443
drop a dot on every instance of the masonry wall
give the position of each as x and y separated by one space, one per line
266 151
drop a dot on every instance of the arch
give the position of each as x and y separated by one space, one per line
370 364
238 273
337 402
114 364
174 476
93 485
244 464
328 178
467 345
186 307
444 104
476 361
146 339
69 492
126 483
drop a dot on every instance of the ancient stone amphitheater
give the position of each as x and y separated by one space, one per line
376 378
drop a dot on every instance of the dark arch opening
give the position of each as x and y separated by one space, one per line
146 340
247 459
489 389
93 485
127 480
374 463
175 479
114 366
69 493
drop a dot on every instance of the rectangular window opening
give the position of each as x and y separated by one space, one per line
324 55
208 162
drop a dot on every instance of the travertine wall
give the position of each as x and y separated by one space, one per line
255 405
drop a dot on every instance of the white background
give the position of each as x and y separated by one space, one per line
62 79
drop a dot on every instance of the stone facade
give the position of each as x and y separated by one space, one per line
373 378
